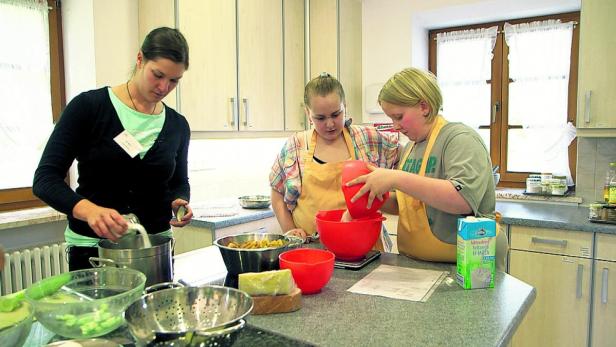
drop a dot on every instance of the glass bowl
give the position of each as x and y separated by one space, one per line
85 303
19 323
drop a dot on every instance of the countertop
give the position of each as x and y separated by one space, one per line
452 316
545 215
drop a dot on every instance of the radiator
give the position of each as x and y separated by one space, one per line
27 266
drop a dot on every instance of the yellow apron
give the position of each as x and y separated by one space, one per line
321 187
415 238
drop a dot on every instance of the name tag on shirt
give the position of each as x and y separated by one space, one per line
129 144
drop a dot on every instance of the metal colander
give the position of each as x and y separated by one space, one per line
189 316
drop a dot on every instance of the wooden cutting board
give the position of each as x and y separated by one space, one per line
266 304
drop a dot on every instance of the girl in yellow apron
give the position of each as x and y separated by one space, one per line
445 173
307 174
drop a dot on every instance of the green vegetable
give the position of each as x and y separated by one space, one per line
9 303
180 213
48 286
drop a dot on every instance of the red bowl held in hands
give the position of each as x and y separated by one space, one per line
311 268
352 169
349 241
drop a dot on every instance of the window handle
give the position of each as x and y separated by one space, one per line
495 108
587 98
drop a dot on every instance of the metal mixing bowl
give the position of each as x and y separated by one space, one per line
239 260
255 201
189 316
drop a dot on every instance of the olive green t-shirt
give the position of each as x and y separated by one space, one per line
460 156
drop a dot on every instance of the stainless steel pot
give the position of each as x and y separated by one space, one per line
189 316
238 260
155 262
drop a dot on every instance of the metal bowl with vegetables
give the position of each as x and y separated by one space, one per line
255 201
254 252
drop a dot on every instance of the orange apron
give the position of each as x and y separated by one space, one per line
321 187
415 238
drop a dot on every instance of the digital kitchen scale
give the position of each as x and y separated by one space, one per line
358 264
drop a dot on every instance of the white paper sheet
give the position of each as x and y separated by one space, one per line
399 283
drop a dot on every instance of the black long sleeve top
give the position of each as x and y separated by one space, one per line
108 176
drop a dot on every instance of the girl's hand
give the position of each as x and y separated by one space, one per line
346 216
297 232
378 182
183 213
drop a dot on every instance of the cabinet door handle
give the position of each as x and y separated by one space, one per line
233 111
245 101
604 287
562 243
587 98
578 284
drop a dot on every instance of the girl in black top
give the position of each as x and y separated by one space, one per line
121 171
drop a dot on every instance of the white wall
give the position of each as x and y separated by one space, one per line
100 43
395 32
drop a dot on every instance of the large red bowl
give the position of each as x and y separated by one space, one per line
311 268
348 240
352 169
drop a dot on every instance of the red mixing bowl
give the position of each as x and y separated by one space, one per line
311 268
352 169
348 240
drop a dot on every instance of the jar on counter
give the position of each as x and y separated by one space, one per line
533 185
595 210
610 211
546 176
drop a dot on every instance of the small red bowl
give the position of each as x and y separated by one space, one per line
311 268
352 169
348 240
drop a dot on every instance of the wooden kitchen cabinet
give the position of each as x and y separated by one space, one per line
597 74
154 14
335 47
236 78
603 321
294 65
558 264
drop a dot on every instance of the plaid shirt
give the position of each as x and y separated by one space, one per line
377 148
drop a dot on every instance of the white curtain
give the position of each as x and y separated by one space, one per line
25 94
539 63
464 64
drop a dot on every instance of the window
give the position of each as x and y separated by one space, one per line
515 82
32 92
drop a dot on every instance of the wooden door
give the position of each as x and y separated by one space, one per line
208 90
260 65
560 314
597 73
294 65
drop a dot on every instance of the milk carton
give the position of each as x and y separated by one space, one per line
476 252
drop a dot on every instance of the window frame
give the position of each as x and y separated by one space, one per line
20 198
500 91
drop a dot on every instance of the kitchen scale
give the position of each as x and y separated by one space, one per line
357 264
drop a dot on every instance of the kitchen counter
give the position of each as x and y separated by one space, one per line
452 316
545 215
